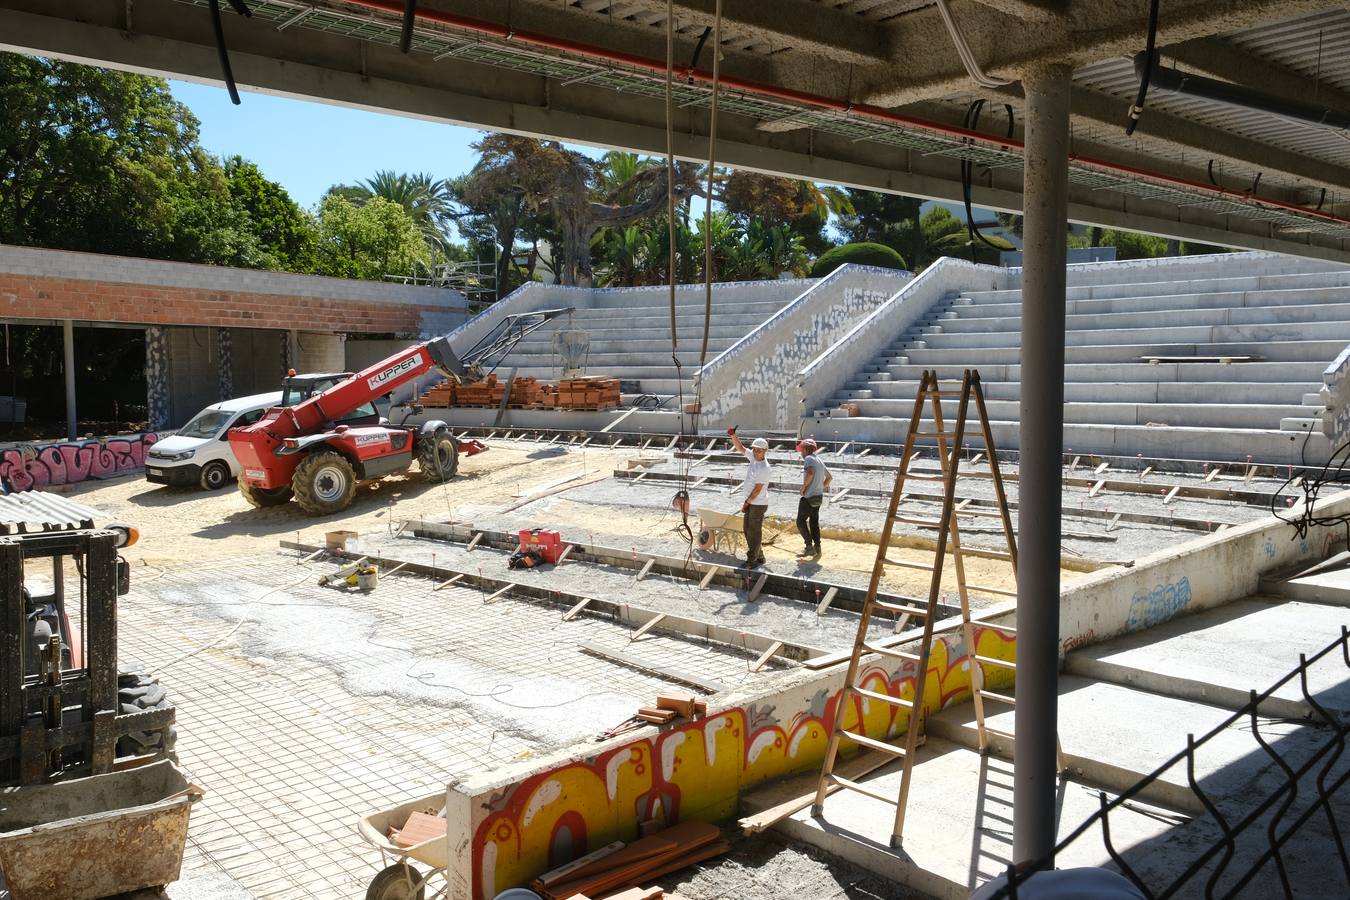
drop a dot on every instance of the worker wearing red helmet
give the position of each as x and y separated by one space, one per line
815 482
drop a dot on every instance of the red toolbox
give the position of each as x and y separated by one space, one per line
544 541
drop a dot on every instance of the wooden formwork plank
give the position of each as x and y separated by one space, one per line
766 656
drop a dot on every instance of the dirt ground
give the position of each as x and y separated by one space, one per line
180 525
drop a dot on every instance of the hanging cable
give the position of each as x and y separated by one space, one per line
409 16
219 28
1150 60
707 209
681 501
698 51
968 177
963 50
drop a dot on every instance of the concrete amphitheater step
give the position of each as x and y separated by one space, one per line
1288 393
1200 444
1309 372
1110 305
1167 316
1287 281
1270 351
1198 415
1199 334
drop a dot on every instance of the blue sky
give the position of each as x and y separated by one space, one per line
308 147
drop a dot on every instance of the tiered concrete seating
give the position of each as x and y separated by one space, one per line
629 331
1214 369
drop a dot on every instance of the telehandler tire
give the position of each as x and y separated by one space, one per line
260 498
438 455
324 483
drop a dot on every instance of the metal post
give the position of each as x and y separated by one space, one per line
1045 194
68 337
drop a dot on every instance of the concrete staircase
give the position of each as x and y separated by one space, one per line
1213 369
629 332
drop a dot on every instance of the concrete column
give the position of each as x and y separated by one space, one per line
1045 189
68 338
157 377
224 364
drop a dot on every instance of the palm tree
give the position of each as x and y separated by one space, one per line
427 200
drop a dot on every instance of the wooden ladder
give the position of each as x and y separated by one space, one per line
949 448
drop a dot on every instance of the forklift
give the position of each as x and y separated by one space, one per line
92 801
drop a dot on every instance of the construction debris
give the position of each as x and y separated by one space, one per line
622 868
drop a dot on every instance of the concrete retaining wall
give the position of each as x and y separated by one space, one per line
1200 574
752 382
826 375
507 827
1336 380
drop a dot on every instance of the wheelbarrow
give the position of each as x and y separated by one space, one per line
399 879
96 836
720 531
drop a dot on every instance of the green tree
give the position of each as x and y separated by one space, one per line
284 231
107 161
888 219
369 241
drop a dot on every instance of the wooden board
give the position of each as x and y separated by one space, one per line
853 770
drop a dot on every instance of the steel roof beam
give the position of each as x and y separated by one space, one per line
799 25
925 64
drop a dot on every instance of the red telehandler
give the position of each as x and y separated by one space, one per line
317 450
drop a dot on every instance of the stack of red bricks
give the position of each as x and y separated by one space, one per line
593 393
587 393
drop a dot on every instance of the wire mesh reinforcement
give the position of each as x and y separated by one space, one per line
1221 862
442 41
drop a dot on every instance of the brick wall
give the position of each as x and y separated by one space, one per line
55 284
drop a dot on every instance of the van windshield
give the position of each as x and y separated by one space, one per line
205 424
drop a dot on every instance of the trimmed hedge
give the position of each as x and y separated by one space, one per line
865 254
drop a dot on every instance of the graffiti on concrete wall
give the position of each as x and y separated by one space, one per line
765 363
1162 602
696 771
29 466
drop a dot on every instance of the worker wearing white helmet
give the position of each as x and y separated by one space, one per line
755 496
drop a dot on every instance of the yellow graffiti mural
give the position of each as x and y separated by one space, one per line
697 770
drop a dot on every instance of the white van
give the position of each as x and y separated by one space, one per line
199 453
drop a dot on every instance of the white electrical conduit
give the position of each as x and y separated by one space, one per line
963 50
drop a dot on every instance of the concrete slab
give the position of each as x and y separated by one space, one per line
959 822
1328 583
1112 736
776 617
1218 655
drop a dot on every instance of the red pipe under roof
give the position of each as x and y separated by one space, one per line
600 54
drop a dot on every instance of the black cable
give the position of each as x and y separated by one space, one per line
1150 60
409 17
1209 170
1321 200
698 50
1305 519
240 7
1256 182
218 27
968 177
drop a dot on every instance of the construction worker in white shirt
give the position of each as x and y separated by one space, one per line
756 496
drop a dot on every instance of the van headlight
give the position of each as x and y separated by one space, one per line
182 455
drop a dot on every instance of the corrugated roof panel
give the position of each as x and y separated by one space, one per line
32 511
